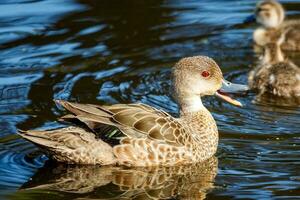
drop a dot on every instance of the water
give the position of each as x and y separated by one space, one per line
118 51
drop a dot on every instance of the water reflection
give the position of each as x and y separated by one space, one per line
94 182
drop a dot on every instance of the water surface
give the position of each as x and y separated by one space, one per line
116 51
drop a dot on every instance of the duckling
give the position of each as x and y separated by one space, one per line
275 74
152 136
270 14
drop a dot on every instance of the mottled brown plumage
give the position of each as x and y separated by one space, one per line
152 136
270 14
275 75
73 145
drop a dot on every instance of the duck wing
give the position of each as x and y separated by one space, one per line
134 120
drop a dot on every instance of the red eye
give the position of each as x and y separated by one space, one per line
205 74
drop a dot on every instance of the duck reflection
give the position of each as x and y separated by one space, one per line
92 182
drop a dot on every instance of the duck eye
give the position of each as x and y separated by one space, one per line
205 73
267 14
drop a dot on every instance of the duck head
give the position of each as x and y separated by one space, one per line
198 76
269 13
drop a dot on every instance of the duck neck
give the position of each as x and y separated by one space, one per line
191 104
204 132
273 54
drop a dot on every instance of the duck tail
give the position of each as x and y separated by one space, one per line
71 145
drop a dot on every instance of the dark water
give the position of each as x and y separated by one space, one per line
118 51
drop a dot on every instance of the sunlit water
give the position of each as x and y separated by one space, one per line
118 51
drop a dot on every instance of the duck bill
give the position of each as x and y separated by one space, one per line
228 87
228 99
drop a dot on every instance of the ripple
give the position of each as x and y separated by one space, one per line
122 52
14 91
15 162
37 13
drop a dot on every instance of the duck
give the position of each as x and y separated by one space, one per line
275 74
152 137
270 15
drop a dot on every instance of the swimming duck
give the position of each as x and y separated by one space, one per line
270 14
275 74
152 136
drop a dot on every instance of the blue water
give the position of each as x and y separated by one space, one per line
116 51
